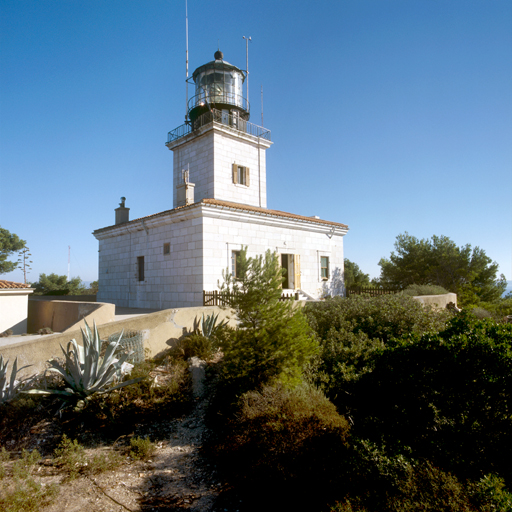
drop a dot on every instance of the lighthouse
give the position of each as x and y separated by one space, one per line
176 258
218 153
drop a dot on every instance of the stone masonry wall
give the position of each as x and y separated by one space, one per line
200 249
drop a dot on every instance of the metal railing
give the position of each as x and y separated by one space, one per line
231 121
226 98
218 298
371 291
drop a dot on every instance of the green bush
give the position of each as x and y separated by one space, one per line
352 332
490 494
141 449
481 313
282 440
383 317
416 290
23 493
71 457
195 345
446 395
73 460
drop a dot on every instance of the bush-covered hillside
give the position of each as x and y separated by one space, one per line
402 408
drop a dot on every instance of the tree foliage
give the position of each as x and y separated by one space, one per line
53 284
445 395
9 243
350 331
272 340
354 276
438 261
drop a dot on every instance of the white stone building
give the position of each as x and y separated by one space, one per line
167 259
14 306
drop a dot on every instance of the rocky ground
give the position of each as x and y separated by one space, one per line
176 477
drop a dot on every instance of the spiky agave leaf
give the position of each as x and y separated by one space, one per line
208 325
9 391
85 371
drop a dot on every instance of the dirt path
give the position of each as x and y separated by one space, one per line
176 478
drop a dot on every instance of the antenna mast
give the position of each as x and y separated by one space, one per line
247 39
262 105
69 263
186 36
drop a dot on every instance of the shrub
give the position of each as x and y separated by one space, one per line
161 391
481 313
383 317
445 395
45 330
415 290
24 494
374 480
195 345
353 331
281 439
490 494
71 456
141 449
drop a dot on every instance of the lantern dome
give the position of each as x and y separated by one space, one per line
218 85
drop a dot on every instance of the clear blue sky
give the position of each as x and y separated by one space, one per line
386 115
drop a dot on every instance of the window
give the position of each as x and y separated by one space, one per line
235 262
240 175
324 267
140 268
167 248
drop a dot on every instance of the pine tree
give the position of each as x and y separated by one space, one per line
272 340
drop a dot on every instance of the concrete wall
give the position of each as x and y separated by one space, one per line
438 301
160 331
63 315
14 310
78 298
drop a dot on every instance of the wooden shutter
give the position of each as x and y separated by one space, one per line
247 176
296 270
235 173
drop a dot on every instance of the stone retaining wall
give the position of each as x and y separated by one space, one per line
160 330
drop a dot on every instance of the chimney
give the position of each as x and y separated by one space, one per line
122 213
185 191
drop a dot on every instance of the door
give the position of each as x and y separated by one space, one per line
291 265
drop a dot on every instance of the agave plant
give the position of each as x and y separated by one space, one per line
209 327
9 390
85 371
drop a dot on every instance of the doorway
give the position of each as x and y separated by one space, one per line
291 265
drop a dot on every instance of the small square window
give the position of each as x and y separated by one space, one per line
324 267
167 248
240 175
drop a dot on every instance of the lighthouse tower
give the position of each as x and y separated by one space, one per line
218 153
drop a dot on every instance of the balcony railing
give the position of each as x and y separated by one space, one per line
231 121
225 98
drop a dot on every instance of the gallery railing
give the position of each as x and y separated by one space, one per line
231 121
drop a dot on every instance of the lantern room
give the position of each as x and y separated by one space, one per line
218 85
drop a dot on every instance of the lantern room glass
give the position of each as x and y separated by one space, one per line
219 86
